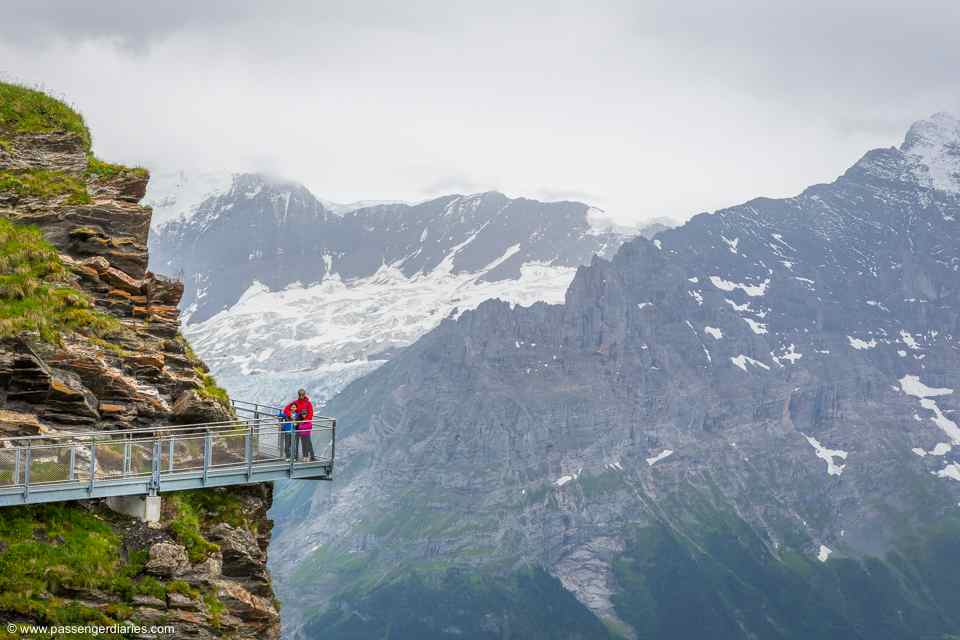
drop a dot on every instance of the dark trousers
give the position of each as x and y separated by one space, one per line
306 445
287 444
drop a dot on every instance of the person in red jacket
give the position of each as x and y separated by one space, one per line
305 426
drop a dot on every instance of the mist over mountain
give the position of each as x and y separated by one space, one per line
745 427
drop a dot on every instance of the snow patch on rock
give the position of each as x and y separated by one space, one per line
666 453
742 361
828 456
860 345
824 553
752 290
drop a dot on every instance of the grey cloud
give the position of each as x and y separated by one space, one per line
560 193
455 183
641 108
32 23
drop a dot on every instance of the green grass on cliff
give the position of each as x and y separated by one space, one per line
34 294
47 552
186 526
24 111
209 387
51 553
212 390
29 111
194 507
103 169
45 185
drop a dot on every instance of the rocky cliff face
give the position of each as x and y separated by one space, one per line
89 339
744 428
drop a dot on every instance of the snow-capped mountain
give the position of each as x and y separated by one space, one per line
746 427
177 194
340 208
933 151
283 291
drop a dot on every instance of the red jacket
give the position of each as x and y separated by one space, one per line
305 409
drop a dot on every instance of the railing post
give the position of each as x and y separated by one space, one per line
16 466
294 447
155 479
73 463
333 444
249 450
26 472
93 465
170 454
207 449
126 456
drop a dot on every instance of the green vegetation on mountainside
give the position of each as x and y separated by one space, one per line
48 552
34 290
717 579
425 606
209 387
103 169
191 508
47 185
737 588
28 111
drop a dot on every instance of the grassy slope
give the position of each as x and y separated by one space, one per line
28 111
527 604
49 553
35 294
736 586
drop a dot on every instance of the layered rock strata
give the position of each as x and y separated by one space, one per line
203 568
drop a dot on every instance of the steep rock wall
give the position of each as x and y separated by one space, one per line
89 339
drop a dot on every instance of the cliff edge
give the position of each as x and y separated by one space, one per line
89 339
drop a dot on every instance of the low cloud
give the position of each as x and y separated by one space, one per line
641 108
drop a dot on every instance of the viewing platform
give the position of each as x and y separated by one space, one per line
145 462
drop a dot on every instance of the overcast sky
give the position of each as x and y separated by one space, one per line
643 108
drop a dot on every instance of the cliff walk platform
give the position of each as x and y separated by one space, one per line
132 467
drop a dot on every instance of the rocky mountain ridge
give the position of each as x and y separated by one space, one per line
752 416
89 339
275 232
287 293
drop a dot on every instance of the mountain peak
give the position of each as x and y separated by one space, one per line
250 185
933 148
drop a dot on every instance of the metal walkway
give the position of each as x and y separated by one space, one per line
97 464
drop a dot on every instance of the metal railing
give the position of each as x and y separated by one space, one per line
257 447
